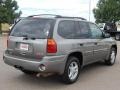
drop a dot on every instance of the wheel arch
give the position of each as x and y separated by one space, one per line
78 55
114 46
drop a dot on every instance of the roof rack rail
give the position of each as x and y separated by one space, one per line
58 16
73 17
46 14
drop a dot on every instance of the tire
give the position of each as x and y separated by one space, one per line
112 57
72 70
28 72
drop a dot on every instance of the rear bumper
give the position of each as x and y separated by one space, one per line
53 64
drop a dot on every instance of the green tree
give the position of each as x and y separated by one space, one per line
8 11
107 11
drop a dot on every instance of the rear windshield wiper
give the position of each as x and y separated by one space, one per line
33 38
26 37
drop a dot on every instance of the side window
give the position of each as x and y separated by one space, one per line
83 30
95 31
66 29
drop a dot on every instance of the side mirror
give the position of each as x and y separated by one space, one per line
106 35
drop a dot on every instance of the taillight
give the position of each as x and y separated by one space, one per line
51 46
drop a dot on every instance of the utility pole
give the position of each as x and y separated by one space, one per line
89 10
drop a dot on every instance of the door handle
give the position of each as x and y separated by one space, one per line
96 43
25 38
81 44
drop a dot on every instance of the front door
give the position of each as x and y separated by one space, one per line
100 47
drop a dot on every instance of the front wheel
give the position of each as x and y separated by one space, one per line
72 70
112 57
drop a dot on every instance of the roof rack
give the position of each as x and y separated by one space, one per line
73 17
58 16
45 15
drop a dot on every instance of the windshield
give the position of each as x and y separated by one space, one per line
32 27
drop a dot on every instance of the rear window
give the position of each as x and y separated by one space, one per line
33 28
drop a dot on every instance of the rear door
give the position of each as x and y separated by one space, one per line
85 44
28 38
100 45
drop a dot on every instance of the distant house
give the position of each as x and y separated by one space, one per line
5 27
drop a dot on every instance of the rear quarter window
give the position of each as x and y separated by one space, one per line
66 29
83 31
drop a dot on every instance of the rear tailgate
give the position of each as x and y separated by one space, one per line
33 49
28 38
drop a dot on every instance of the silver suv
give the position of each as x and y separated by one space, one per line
53 44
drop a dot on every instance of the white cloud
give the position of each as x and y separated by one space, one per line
62 7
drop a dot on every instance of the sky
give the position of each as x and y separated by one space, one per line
78 8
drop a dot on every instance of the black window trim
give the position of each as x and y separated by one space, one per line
50 35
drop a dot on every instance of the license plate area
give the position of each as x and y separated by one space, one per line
24 47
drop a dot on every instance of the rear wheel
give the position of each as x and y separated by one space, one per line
72 70
112 57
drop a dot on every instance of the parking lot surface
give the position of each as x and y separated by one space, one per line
93 77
